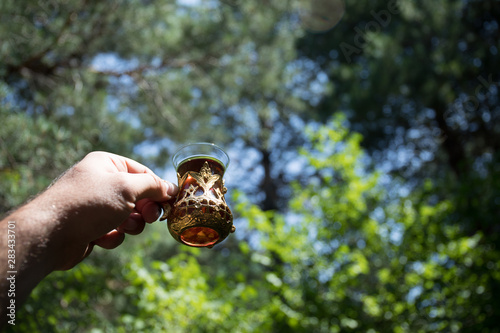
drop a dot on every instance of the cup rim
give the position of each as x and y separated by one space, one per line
211 144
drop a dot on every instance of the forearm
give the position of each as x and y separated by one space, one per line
28 252
95 203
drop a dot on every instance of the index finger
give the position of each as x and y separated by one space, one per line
110 162
125 164
140 181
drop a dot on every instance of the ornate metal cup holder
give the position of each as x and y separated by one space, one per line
199 216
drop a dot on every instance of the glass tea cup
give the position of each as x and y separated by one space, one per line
199 215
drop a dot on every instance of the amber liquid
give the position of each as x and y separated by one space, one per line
199 236
196 163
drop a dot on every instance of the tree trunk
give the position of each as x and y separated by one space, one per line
268 185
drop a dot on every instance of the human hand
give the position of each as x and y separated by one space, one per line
95 202
100 199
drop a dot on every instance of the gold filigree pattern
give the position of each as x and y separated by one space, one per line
202 204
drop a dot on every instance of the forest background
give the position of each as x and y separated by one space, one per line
364 146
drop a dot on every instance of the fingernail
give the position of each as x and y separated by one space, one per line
171 188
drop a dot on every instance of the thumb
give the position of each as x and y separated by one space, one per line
147 185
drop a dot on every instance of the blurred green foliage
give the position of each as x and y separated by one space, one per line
365 185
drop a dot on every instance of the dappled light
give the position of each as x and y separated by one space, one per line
364 146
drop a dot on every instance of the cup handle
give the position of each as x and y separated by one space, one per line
166 207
